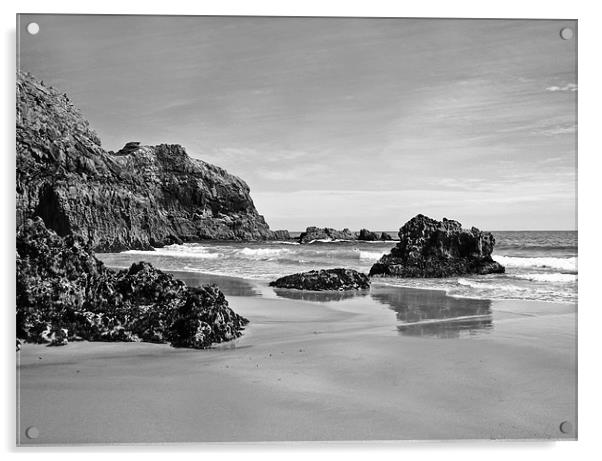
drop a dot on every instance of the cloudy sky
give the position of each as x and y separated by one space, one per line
338 122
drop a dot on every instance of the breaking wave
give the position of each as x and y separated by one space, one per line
187 251
262 253
489 286
548 277
566 264
371 255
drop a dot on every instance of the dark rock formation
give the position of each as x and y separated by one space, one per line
430 248
129 148
137 198
327 233
281 235
367 235
64 293
384 236
370 236
325 279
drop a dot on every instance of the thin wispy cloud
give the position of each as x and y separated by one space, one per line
559 130
567 87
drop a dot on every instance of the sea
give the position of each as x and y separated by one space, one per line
540 265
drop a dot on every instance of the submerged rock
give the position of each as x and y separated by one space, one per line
325 279
138 198
431 248
327 233
64 294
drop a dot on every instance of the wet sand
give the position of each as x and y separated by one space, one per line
390 364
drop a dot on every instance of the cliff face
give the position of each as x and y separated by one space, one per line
137 198
431 248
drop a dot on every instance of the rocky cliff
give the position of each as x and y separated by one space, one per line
431 248
137 198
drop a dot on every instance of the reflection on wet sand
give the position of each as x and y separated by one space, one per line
319 296
230 286
434 313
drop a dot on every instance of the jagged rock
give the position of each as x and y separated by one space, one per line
327 233
129 148
325 279
384 236
367 235
431 248
64 294
137 198
55 336
370 236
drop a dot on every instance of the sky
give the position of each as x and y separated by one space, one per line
338 122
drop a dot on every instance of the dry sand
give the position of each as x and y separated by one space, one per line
307 370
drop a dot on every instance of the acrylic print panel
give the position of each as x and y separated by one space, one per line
295 229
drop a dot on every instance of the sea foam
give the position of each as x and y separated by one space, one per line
566 264
371 255
260 253
489 286
548 277
187 251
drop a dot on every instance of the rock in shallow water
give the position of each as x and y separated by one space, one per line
64 293
327 233
370 236
367 235
385 236
325 279
431 248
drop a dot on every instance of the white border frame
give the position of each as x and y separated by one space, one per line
590 80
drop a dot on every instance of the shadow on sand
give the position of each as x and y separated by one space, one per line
319 296
230 286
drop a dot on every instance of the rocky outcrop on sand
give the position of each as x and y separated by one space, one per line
137 198
325 279
431 248
64 294
326 233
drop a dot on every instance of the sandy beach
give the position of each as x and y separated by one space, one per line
317 370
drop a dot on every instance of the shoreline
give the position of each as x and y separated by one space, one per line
188 274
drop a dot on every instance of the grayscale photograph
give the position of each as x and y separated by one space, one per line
295 229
